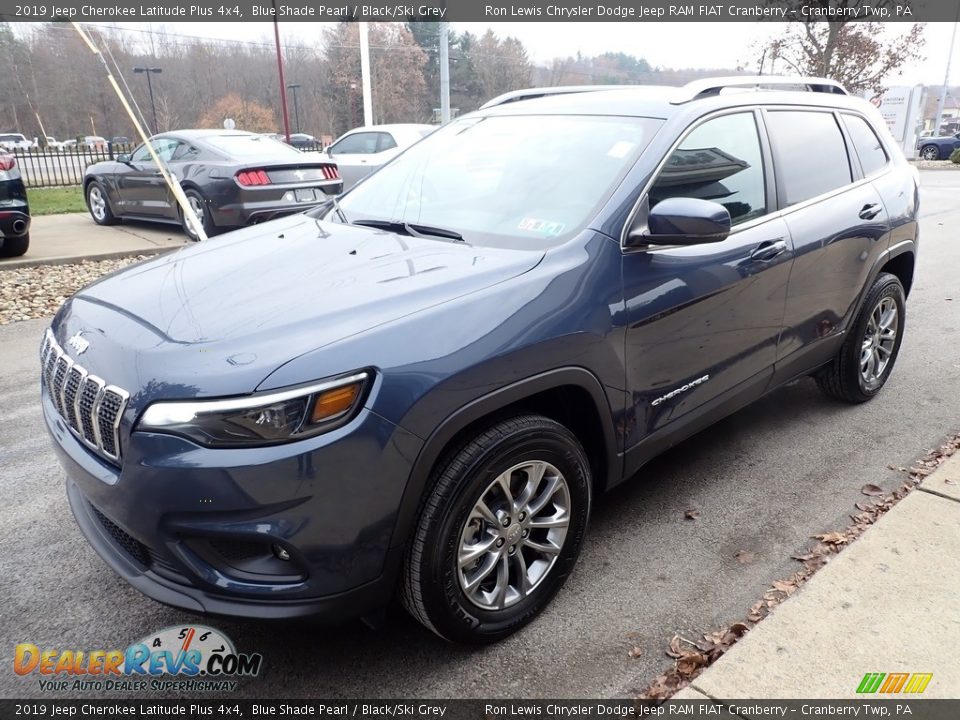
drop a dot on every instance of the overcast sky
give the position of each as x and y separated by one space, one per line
676 45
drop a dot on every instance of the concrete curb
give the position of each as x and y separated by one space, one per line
882 605
74 259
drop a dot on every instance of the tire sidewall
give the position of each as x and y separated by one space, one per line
887 287
457 617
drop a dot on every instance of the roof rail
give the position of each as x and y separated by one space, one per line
708 87
533 93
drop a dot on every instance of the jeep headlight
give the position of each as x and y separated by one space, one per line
262 419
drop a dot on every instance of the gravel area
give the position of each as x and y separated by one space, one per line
935 164
33 292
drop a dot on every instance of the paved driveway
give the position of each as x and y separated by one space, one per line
764 481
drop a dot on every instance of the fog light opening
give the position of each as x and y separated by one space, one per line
280 553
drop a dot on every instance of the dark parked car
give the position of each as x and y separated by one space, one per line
230 178
302 141
938 147
14 210
419 391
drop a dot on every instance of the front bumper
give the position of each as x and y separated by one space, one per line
198 528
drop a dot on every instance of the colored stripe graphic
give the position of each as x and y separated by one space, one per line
870 682
918 682
894 682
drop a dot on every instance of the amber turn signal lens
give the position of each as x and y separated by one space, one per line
334 402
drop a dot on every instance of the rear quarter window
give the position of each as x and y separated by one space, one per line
810 154
873 157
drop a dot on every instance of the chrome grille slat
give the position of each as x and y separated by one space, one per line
91 408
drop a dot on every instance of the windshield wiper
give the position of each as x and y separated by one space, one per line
411 229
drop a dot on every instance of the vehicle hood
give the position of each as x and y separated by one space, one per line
247 302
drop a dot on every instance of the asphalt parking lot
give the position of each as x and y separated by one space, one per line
763 481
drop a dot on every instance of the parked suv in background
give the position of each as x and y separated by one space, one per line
14 210
14 141
420 390
938 147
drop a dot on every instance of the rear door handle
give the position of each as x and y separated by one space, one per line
768 250
870 211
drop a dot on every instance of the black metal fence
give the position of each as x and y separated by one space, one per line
49 167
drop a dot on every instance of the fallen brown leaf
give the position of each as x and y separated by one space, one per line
833 538
691 514
635 652
744 556
871 489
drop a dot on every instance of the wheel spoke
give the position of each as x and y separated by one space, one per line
471 553
538 504
481 510
535 473
523 578
547 548
504 482
503 582
560 520
482 572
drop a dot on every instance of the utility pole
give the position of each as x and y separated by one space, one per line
946 75
150 71
296 107
365 75
444 73
283 87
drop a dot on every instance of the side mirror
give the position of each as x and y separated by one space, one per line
685 221
123 158
328 151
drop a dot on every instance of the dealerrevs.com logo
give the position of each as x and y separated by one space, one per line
180 658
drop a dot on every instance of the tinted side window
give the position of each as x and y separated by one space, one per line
364 143
871 153
386 142
811 156
719 161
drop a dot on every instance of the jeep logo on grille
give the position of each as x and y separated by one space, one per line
78 343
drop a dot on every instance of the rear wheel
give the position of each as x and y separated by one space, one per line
99 205
930 152
500 531
14 246
866 358
201 208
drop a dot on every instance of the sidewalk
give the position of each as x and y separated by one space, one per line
59 239
887 604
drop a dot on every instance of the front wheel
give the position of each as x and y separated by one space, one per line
500 530
99 205
866 358
930 152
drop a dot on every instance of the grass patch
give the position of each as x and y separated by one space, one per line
54 201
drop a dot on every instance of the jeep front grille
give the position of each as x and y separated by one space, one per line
91 408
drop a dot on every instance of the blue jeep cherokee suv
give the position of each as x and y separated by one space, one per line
418 390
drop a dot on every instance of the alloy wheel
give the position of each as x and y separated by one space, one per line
930 153
878 342
514 534
98 204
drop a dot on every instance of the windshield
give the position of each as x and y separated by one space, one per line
510 181
241 146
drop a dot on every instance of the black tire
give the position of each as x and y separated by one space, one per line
431 585
102 214
198 201
843 378
14 246
931 150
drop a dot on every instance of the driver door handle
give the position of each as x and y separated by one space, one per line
768 250
870 211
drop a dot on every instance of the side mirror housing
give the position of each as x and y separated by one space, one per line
123 158
683 221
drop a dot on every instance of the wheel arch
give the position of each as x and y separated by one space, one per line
572 396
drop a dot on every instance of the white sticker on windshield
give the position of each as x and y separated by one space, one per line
620 149
542 227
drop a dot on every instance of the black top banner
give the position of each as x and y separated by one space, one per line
479 10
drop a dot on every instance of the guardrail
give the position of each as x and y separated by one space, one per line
48 167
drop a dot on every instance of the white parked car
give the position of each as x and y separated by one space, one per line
362 150
14 141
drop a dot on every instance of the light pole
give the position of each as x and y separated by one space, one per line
296 107
353 104
149 71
